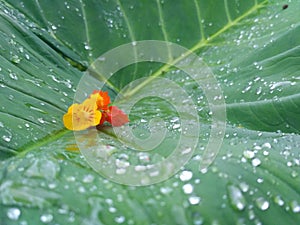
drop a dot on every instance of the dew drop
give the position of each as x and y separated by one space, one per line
248 154
120 219
295 207
185 175
88 178
13 76
46 218
266 145
112 209
70 179
87 47
120 171
244 187
236 198
6 138
294 174
203 170
120 163
251 215
81 189
260 180
15 59
258 90
13 213
266 153
194 200
144 157
165 190
262 204
41 120
197 219
176 126
139 168
187 188
256 162
278 200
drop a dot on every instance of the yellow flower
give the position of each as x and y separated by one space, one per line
82 116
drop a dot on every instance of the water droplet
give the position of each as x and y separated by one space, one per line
41 120
6 138
266 153
187 188
194 200
176 126
197 219
32 107
266 145
295 206
134 43
165 190
88 178
120 163
185 175
204 170
120 219
144 157
258 90
15 59
87 46
294 174
13 76
236 198
251 214
139 168
260 180
112 209
262 203
244 187
249 154
43 168
120 171
52 185
278 200
46 218
256 162
186 150
13 213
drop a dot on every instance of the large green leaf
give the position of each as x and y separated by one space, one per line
252 48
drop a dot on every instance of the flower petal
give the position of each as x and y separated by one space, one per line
116 117
103 100
82 116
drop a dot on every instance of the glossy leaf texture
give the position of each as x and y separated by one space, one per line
252 48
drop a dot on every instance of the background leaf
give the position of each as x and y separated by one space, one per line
252 48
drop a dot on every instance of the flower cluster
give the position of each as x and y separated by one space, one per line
94 111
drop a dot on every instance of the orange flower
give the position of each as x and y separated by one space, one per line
82 116
103 100
115 116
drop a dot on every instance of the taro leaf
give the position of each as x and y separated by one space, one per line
252 48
